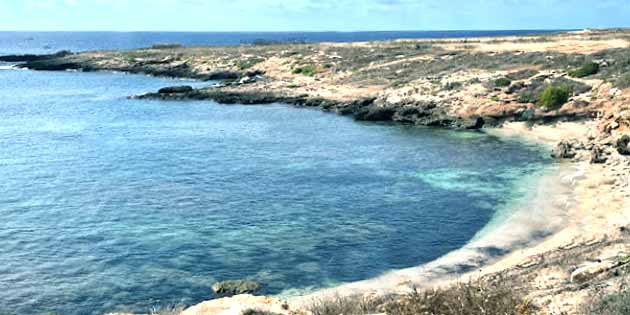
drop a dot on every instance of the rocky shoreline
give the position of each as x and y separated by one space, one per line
539 81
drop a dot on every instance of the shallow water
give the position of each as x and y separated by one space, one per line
110 204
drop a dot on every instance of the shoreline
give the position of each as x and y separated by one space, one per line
512 228
456 85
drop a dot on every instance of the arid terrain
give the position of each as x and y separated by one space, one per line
569 89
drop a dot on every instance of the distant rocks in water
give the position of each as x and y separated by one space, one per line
235 287
623 145
564 150
31 58
176 89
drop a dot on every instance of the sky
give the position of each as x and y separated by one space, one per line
310 15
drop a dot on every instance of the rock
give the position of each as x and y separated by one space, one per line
623 145
30 58
235 287
223 75
242 304
590 271
375 113
247 80
176 89
473 123
597 155
563 150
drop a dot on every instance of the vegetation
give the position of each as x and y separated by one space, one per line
502 82
613 304
623 82
307 70
351 305
553 97
460 299
248 63
585 70
464 299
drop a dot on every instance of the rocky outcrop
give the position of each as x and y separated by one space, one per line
564 150
31 58
598 155
235 287
176 89
623 145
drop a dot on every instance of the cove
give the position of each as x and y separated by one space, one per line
110 204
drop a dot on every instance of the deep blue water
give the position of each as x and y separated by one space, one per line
109 204
47 42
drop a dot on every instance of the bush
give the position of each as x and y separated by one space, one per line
612 304
463 299
585 70
623 82
307 70
553 97
502 82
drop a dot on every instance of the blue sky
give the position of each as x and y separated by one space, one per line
310 15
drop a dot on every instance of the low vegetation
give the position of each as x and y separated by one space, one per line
623 82
248 63
502 82
585 70
351 305
612 304
307 70
553 97
460 299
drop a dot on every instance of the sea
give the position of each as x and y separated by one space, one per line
110 204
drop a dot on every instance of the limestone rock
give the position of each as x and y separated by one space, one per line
241 304
590 271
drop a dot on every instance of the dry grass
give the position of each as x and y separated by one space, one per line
461 299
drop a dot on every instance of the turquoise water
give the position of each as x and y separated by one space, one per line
110 204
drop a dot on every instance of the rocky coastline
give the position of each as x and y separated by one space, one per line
541 82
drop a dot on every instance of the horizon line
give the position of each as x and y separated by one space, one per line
316 31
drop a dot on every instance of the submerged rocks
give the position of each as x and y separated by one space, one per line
564 150
176 89
623 145
235 287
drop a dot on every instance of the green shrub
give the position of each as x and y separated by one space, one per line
307 70
502 82
495 98
585 70
553 97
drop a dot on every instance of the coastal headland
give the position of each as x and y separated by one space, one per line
569 90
